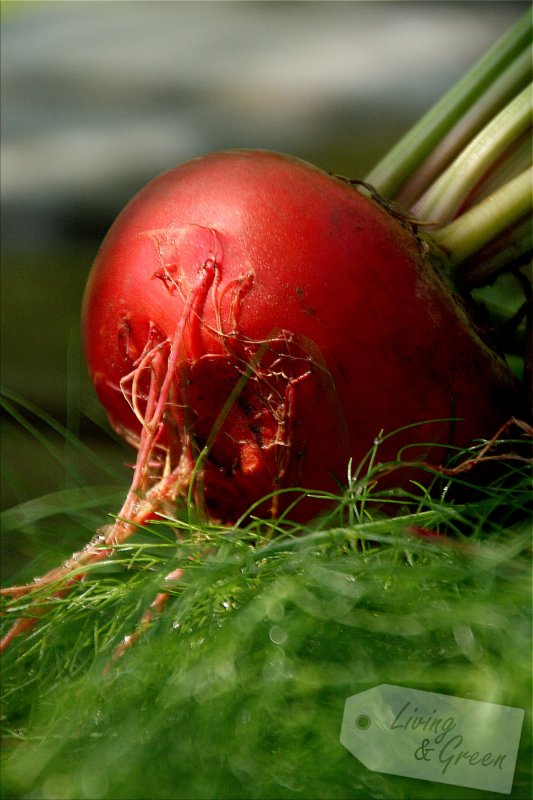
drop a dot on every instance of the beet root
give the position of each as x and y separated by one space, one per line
254 323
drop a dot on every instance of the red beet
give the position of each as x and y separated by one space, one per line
250 303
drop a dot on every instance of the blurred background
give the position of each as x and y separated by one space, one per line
99 97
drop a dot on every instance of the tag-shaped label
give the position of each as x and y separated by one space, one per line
433 737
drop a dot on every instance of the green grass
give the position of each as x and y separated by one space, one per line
237 688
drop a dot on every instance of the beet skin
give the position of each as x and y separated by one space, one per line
249 303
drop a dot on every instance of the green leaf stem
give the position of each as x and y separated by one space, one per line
479 225
398 166
445 197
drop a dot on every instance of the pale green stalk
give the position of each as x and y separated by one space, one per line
399 164
515 78
516 159
446 195
484 222
510 250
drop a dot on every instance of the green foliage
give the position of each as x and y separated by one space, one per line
236 689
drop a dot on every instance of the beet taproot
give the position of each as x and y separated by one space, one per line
251 306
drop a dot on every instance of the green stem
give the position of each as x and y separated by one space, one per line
515 78
505 253
398 166
447 194
516 159
480 224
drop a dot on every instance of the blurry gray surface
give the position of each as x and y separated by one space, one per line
99 97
